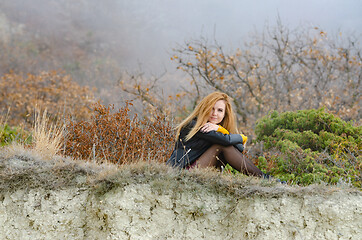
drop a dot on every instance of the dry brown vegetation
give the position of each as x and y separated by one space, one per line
118 137
81 128
63 98
25 168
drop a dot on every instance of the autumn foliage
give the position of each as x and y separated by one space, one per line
118 137
21 96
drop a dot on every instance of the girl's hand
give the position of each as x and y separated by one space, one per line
209 127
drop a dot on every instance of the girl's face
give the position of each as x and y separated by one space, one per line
217 113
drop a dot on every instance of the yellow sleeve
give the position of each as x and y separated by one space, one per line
245 138
222 130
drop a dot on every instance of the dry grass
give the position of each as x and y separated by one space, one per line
47 136
2 125
4 119
40 165
21 168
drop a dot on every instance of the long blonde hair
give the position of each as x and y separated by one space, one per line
202 113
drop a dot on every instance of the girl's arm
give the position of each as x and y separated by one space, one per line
239 146
225 131
220 138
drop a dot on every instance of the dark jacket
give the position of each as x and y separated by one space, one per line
187 152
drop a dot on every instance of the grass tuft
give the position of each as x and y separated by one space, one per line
47 136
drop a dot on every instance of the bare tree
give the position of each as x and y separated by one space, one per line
279 70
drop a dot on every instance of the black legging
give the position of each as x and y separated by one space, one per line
230 155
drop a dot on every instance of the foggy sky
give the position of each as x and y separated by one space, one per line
144 32
167 22
231 21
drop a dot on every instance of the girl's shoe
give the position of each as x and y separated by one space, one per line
270 177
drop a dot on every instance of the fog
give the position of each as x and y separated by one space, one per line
142 33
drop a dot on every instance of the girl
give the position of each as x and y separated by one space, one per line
208 137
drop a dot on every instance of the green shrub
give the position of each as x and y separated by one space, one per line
10 134
310 146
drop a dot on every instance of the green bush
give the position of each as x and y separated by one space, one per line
310 146
10 134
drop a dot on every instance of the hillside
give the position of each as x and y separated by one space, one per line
61 198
